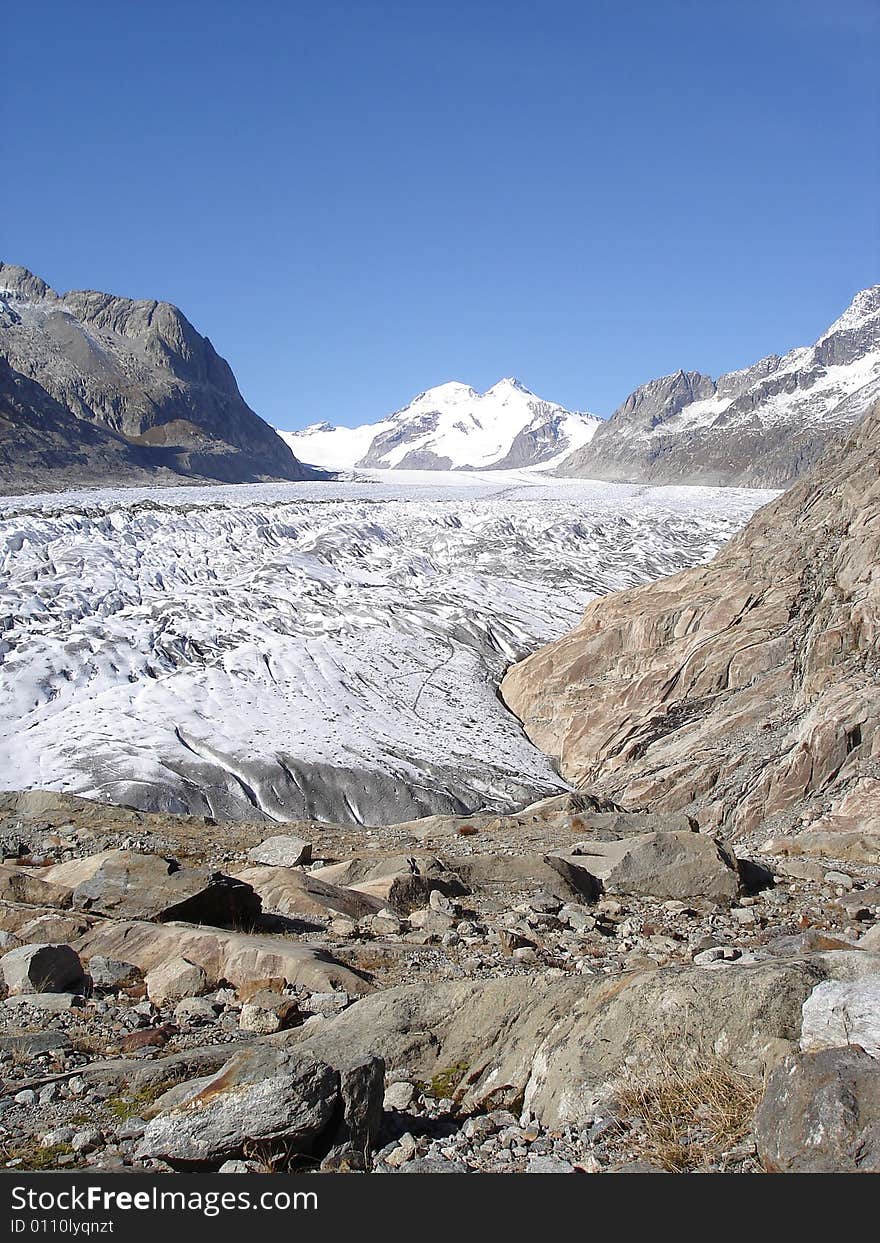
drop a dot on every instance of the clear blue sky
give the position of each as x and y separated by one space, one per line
358 199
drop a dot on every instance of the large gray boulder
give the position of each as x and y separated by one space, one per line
42 969
282 851
821 1114
675 865
678 864
268 1098
125 885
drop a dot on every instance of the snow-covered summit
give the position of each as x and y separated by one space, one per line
453 427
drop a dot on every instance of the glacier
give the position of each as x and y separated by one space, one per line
311 650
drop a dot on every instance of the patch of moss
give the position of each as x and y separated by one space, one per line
125 1107
33 1156
442 1086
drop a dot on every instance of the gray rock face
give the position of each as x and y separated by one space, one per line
126 885
100 389
562 1046
41 969
266 1096
764 426
743 693
821 1114
843 1012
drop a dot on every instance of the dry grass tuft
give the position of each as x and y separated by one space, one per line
689 1115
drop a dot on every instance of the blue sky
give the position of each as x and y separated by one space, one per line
358 200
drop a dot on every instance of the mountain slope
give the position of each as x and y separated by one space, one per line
745 691
760 427
453 427
134 378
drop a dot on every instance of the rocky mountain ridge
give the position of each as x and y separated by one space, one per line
100 389
763 426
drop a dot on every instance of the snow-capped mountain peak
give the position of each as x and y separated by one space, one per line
452 426
760 426
864 306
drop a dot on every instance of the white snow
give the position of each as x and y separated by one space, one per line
333 448
451 421
223 649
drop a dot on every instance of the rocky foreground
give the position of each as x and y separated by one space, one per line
576 988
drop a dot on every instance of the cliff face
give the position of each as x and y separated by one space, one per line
164 403
745 691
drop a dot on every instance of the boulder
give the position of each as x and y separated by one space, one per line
674 865
266 1098
871 940
265 1012
195 1011
402 892
361 1088
375 864
236 957
54 927
526 871
820 1114
42 969
175 979
126 885
110 973
24 885
577 880
281 852
403 882
292 892
841 1012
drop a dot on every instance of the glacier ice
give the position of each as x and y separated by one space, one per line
310 650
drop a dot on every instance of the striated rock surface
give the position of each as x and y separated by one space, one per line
744 691
821 1115
763 426
100 389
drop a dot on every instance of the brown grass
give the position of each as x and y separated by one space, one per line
690 1115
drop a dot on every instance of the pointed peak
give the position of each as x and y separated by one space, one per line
19 280
864 305
511 381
